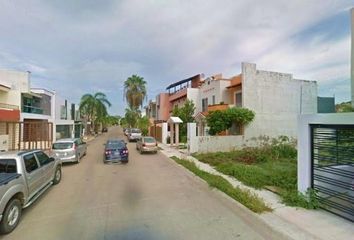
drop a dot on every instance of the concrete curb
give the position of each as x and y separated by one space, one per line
269 225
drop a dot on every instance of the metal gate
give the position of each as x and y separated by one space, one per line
333 168
28 134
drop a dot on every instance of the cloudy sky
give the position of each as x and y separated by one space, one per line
85 46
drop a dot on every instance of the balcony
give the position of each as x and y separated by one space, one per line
32 109
9 112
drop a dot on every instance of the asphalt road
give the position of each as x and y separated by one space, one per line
150 198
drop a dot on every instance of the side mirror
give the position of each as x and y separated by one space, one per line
51 159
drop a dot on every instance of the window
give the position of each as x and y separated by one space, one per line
42 158
213 99
204 104
30 163
62 145
238 99
8 166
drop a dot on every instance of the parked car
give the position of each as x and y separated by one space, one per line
105 129
69 149
24 176
126 131
116 151
147 144
134 134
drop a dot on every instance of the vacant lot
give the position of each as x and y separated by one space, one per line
273 165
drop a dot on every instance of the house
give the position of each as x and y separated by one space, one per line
33 117
276 98
182 90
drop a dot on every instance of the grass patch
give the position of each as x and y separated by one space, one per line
273 164
245 197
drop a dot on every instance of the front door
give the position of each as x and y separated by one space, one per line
33 174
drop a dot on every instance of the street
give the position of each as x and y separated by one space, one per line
149 198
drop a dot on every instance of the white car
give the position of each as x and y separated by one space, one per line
134 134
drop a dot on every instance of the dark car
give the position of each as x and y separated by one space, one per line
116 151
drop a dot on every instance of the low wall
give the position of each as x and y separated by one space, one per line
203 144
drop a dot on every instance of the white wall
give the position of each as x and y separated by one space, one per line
277 99
18 82
193 95
204 144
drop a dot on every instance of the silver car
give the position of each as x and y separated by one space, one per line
147 144
69 149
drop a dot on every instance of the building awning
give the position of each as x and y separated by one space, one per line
234 85
174 120
32 94
4 88
181 82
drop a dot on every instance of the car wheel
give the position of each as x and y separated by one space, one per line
11 217
57 176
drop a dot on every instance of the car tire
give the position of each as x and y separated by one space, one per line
57 176
13 210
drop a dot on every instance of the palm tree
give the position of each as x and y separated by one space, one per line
135 91
94 107
132 116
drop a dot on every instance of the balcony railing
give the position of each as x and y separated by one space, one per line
8 106
31 109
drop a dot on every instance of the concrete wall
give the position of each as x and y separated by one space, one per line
277 99
162 106
204 144
193 95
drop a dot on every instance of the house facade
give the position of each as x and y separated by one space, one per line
33 117
276 98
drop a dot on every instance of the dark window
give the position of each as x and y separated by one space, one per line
62 145
204 104
8 166
115 145
30 162
238 98
42 158
149 140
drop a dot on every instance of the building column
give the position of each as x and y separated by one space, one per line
172 135
177 133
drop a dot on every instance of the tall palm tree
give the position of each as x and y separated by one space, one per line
135 91
94 107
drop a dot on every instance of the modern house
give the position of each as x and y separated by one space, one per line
33 117
276 98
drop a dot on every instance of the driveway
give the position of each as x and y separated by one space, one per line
149 198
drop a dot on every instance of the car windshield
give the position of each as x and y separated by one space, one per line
149 140
62 145
135 131
115 145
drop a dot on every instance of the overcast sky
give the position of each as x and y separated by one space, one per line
85 46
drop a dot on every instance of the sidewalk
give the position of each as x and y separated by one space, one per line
294 223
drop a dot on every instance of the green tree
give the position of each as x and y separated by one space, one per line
143 124
135 91
221 120
185 113
344 107
94 108
131 116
